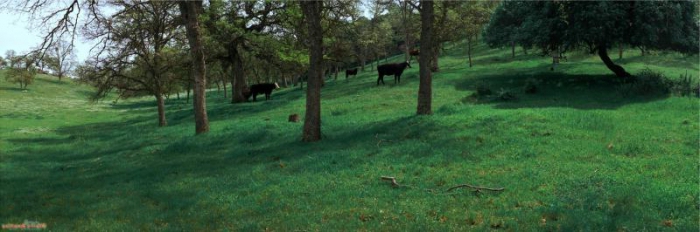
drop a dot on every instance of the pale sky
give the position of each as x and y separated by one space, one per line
15 35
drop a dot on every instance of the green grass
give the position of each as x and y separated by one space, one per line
577 156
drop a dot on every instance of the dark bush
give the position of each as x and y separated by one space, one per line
647 82
482 89
683 86
505 95
531 85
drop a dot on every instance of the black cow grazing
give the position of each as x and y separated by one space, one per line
258 89
350 72
392 69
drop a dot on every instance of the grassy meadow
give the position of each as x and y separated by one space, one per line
578 155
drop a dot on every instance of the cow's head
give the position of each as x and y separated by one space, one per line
408 64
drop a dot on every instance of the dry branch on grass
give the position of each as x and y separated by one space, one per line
395 184
478 188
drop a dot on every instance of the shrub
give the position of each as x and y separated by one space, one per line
482 89
683 86
531 85
647 82
505 95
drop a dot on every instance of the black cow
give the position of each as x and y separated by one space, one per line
350 72
258 89
392 69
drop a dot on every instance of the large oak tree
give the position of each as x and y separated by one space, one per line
597 26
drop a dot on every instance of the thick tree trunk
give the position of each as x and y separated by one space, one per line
238 82
190 12
434 61
407 47
312 120
426 50
618 70
469 50
161 110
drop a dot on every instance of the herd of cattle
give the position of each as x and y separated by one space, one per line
395 69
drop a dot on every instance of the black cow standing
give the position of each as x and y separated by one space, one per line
258 89
350 72
392 69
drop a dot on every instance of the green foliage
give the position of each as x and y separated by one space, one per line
663 25
647 82
683 86
21 76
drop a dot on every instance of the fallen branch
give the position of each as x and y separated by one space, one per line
393 181
478 188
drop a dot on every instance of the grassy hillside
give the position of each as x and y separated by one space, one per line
578 155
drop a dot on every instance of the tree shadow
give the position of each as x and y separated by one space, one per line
11 89
671 61
554 89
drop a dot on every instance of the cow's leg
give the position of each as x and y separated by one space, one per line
379 79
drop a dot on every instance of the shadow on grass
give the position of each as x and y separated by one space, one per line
682 62
555 89
2 88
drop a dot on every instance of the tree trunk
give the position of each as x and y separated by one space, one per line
190 11
161 110
434 61
336 72
189 87
363 63
426 50
469 50
225 91
376 57
178 95
618 70
620 51
524 50
407 47
218 87
312 120
512 48
238 82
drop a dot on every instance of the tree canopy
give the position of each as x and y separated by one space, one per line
596 26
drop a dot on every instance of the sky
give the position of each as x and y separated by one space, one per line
16 35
